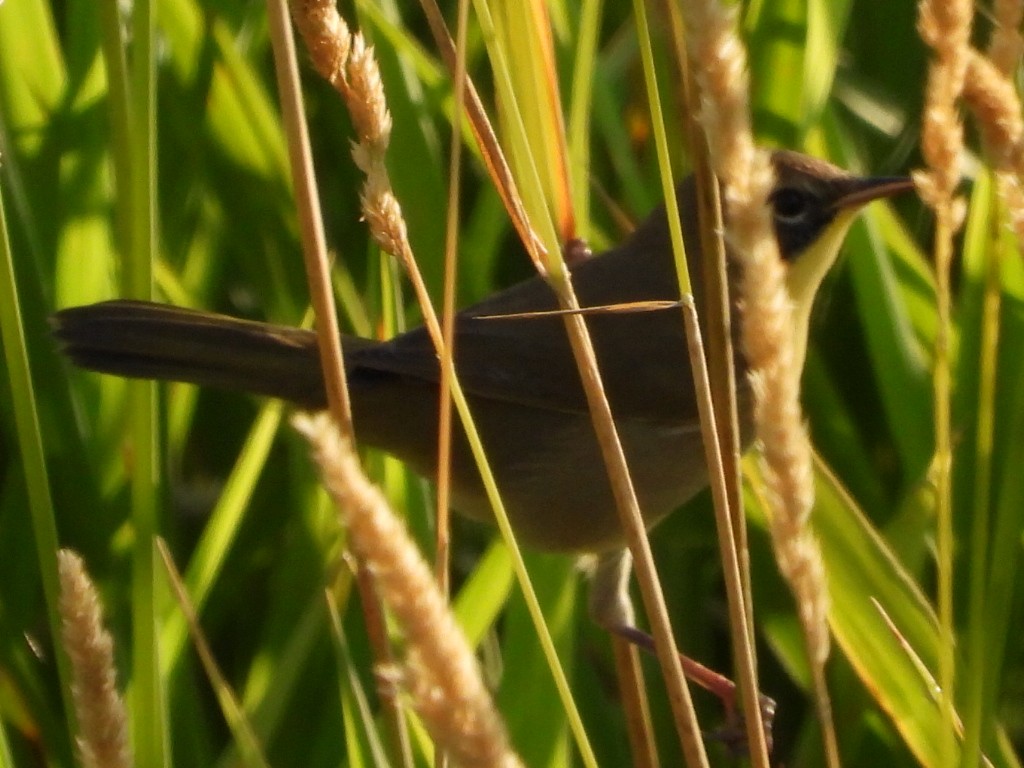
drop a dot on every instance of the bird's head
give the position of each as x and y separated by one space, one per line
813 204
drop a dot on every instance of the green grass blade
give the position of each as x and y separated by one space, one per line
482 598
33 460
777 61
988 493
862 572
221 530
148 710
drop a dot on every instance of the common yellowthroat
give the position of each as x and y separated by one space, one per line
519 375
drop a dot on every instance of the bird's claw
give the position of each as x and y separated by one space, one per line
734 733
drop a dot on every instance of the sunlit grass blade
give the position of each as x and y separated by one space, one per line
777 63
581 107
986 490
480 601
861 570
518 138
538 731
531 111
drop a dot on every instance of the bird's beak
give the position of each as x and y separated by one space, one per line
863 191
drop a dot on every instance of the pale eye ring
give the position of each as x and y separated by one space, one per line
791 205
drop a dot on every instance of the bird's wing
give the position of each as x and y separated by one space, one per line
642 356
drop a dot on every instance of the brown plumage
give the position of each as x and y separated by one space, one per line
519 374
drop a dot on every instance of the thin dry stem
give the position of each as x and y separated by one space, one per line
451 253
945 25
628 508
747 177
635 704
245 737
721 355
102 719
767 315
375 624
307 202
331 47
383 214
440 672
442 540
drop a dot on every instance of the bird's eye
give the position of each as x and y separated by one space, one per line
791 206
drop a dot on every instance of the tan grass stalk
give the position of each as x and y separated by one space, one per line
553 268
102 719
635 704
626 503
318 275
311 230
451 254
719 347
349 65
945 26
440 672
1007 44
375 625
991 95
747 176
442 541
992 98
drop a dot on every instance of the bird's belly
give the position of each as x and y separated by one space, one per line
547 463
556 489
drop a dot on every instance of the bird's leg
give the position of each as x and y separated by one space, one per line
611 608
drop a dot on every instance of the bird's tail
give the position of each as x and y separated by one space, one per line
154 341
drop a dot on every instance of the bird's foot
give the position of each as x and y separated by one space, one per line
734 733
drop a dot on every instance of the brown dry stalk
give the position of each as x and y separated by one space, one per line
1006 45
767 309
350 66
720 68
102 720
348 63
440 672
993 100
490 151
944 25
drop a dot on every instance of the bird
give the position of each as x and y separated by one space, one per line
519 375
